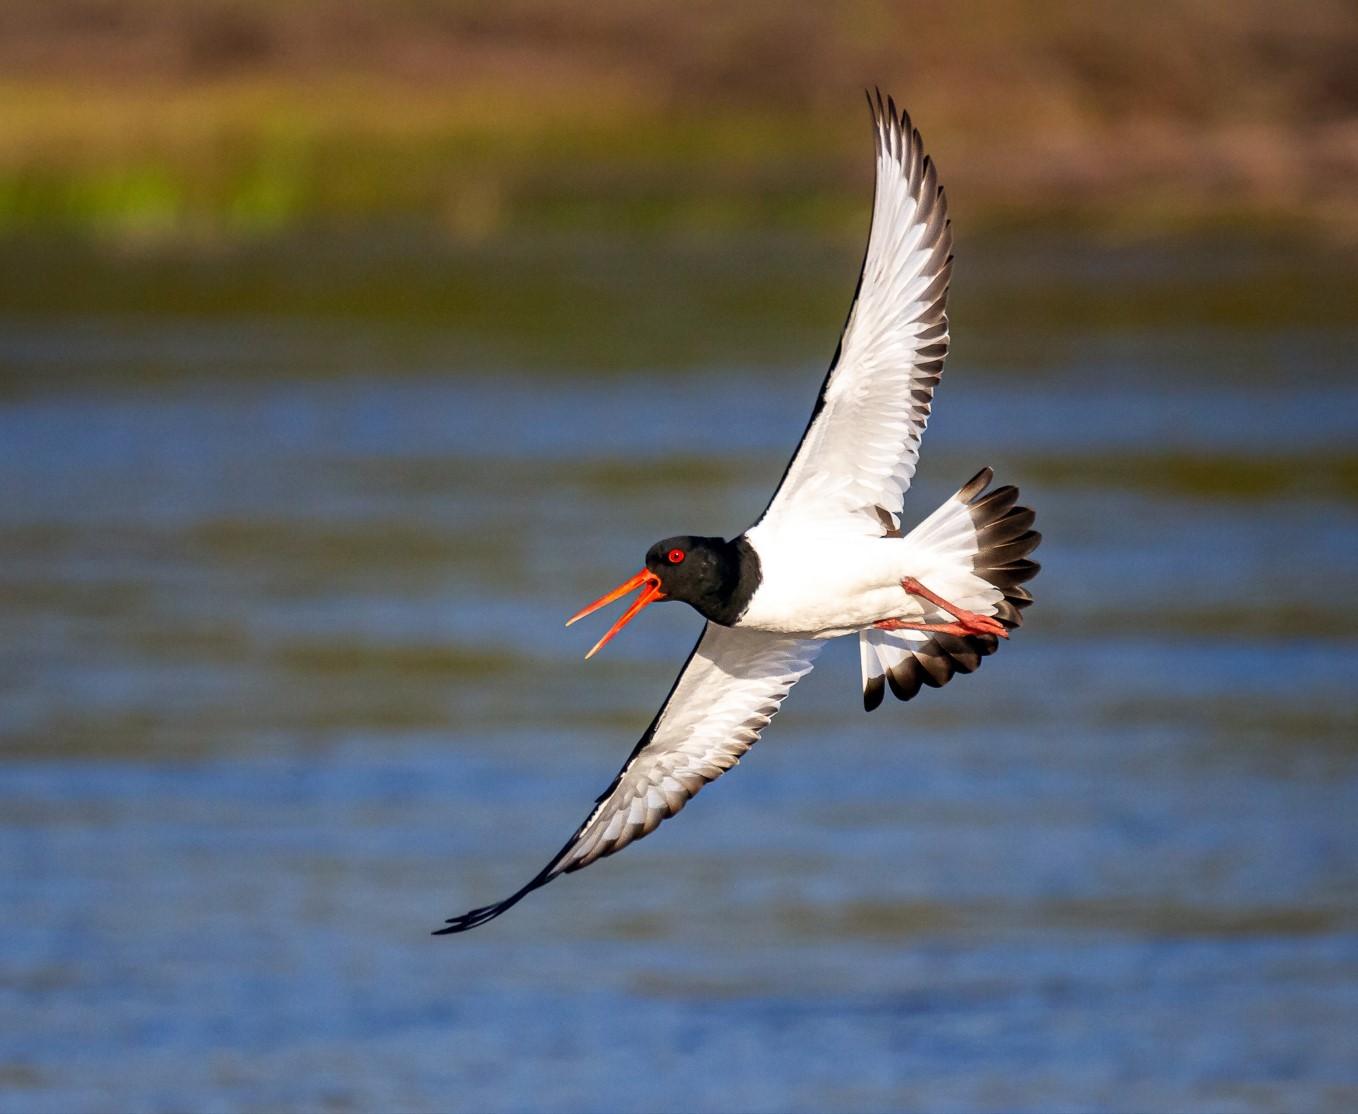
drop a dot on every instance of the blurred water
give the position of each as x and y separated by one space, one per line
285 683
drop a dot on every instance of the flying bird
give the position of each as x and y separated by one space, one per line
828 556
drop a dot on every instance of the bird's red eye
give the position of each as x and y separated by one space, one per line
675 556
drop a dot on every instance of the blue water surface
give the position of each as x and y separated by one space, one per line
286 682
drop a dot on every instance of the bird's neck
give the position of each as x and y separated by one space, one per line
740 576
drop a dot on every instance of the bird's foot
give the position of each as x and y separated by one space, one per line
979 625
967 622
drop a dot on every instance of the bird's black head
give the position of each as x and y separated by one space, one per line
715 576
699 571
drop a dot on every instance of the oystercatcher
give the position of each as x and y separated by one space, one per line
828 557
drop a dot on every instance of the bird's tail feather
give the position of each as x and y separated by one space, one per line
983 540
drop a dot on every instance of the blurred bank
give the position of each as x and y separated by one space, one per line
147 120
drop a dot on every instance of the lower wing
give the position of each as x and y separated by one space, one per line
724 697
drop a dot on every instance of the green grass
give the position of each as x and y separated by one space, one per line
194 121
244 161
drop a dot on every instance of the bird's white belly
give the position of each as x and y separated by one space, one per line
822 587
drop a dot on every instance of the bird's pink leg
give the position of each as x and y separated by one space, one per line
968 622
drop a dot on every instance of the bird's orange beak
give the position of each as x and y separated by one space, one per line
650 585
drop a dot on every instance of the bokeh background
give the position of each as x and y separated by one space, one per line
347 347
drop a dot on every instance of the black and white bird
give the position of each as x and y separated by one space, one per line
828 557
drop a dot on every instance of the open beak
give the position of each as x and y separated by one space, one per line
645 580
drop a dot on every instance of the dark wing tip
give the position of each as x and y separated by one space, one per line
477 917
895 131
471 920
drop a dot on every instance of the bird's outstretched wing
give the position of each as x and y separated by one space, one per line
729 689
859 451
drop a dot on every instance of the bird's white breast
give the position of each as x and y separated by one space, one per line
825 586
821 586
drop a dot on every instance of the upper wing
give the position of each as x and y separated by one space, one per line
860 448
724 696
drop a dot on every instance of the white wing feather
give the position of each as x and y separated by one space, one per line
860 450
